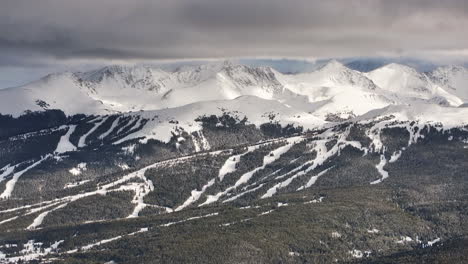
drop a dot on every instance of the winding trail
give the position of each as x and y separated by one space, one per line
10 185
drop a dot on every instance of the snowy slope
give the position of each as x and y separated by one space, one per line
448 117
135 88
224 83
258 111
405 81
453 78
55 91
124 88
333 89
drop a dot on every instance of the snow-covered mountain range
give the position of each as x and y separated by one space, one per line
331 89
332 165
170 100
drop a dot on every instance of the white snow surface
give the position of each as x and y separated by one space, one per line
454 79
432 242
314 201
380 169
78 169
404 239
40 218
7 170
257 110
406 81
449 117
105 241
64 144
395 156
356 253
332 88
60 91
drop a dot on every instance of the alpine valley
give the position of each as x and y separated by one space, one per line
227 163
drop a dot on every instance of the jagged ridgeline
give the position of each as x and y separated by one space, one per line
225 187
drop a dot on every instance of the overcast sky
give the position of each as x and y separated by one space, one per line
42 35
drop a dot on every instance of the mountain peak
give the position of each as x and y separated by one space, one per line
399 67
106 71
211 67
333 65
57 75
228 63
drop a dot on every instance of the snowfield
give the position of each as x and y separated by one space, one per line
332 88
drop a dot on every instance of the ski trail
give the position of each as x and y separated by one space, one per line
195 195
195 144
129 135
243 193
40 218
266 212
103 189
380 169
105 241
229 165
204 142
24 207
415 132
7 170
141 190
256 185
200 143
395 156
106 187
10 185
268 159
31 211
137 124
189 219
130 122
8 220
322 156
64 144
75 184
112 127
82 141
374 135
313 179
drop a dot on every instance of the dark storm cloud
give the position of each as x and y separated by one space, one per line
175 29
